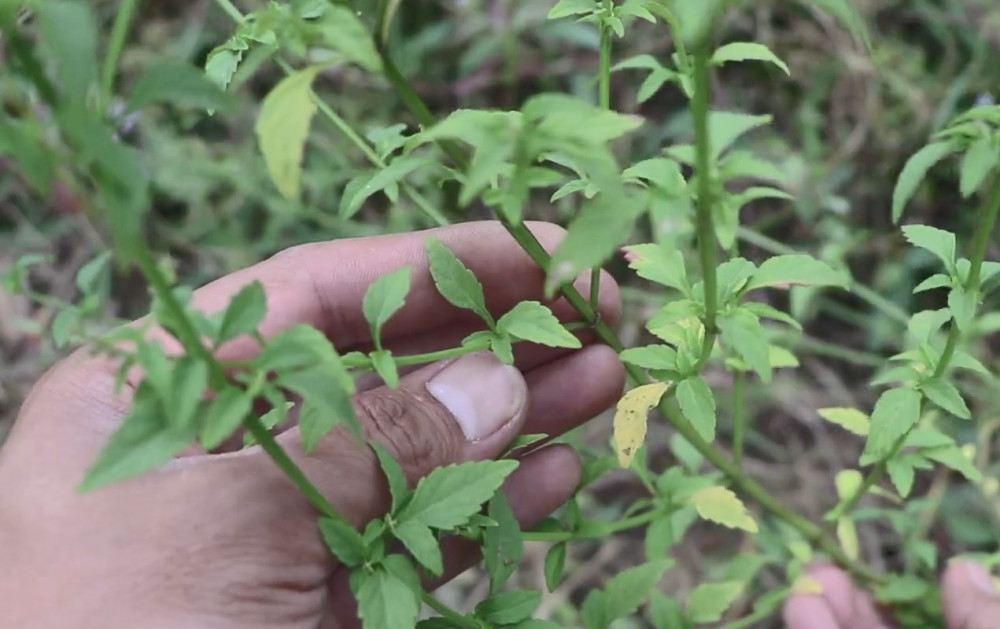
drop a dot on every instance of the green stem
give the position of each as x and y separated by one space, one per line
703 158
739 417
604 100
119 33
191 341
594 532
230 9
981 241
447 612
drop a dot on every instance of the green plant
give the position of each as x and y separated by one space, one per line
560 146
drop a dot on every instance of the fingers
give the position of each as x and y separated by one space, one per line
840 606
969 597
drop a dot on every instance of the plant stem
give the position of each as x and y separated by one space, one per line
739 417
447 612
230 9
703 158
119 33
604 100
594 532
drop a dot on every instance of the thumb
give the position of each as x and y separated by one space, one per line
466 409
969 597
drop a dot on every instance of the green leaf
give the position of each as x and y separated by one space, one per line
245 312
531 321
455 282
502 544
938 241
343 31
367 184
977 164
726 127
945 395
399 488
422 544
850 419
746 165
795 269
225 415
176 83
721 506
385 366
223 62
732 276
710 601
896 412
627 590
384 297
666 613
509 607
651 357
940 280
698 405
657 264
283 126
962 304
69 31
741 330
567 8
766 311
343 541
955 458
902 589
325 405
902 475
747 51
914 173
386 601
145 441
555 563
187 390
450 495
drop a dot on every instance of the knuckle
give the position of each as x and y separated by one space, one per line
420 435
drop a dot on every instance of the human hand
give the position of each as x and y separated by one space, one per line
968 596
223 539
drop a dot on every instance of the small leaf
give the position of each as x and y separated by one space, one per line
631 416
709 601
343 31
896 412
938 241
244 313
945 395
741 330
384 297
658 264
502 544
795 269
567 8
626 591
343 541
531 321
939 280
455 281
362 188
422 544
747 51
651 357
399 488
448 496
385 366
902 589
225 415
850 419
902 475
283 126
726 127
914 172
555 562
508 608
721 506
977 164
955 458
698 405
962 304
386 601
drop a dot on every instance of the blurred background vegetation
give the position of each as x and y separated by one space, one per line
844 124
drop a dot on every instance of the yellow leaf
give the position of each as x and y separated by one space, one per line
282 128
806 584
848 418
631 416
720 505
847 533
848 483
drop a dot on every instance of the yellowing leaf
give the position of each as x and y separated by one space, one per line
282 127
630 419
850 419
848 482
808 585
721 506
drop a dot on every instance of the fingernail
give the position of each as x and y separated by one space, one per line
979 578
482 393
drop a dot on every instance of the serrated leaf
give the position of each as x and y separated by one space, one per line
224 416
502 544
533 322
244 313
725 128
914 173
721 506
386 601
902 475
450 495
946 395
508 608
626 591
657 264
631 416
455 281
651 357
850 419
747 51
283 126
422 544
795 269
896 412
399 488
343 541
384 297
938 241
978 162
709 601
698 405
362 188
741 330
222 64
